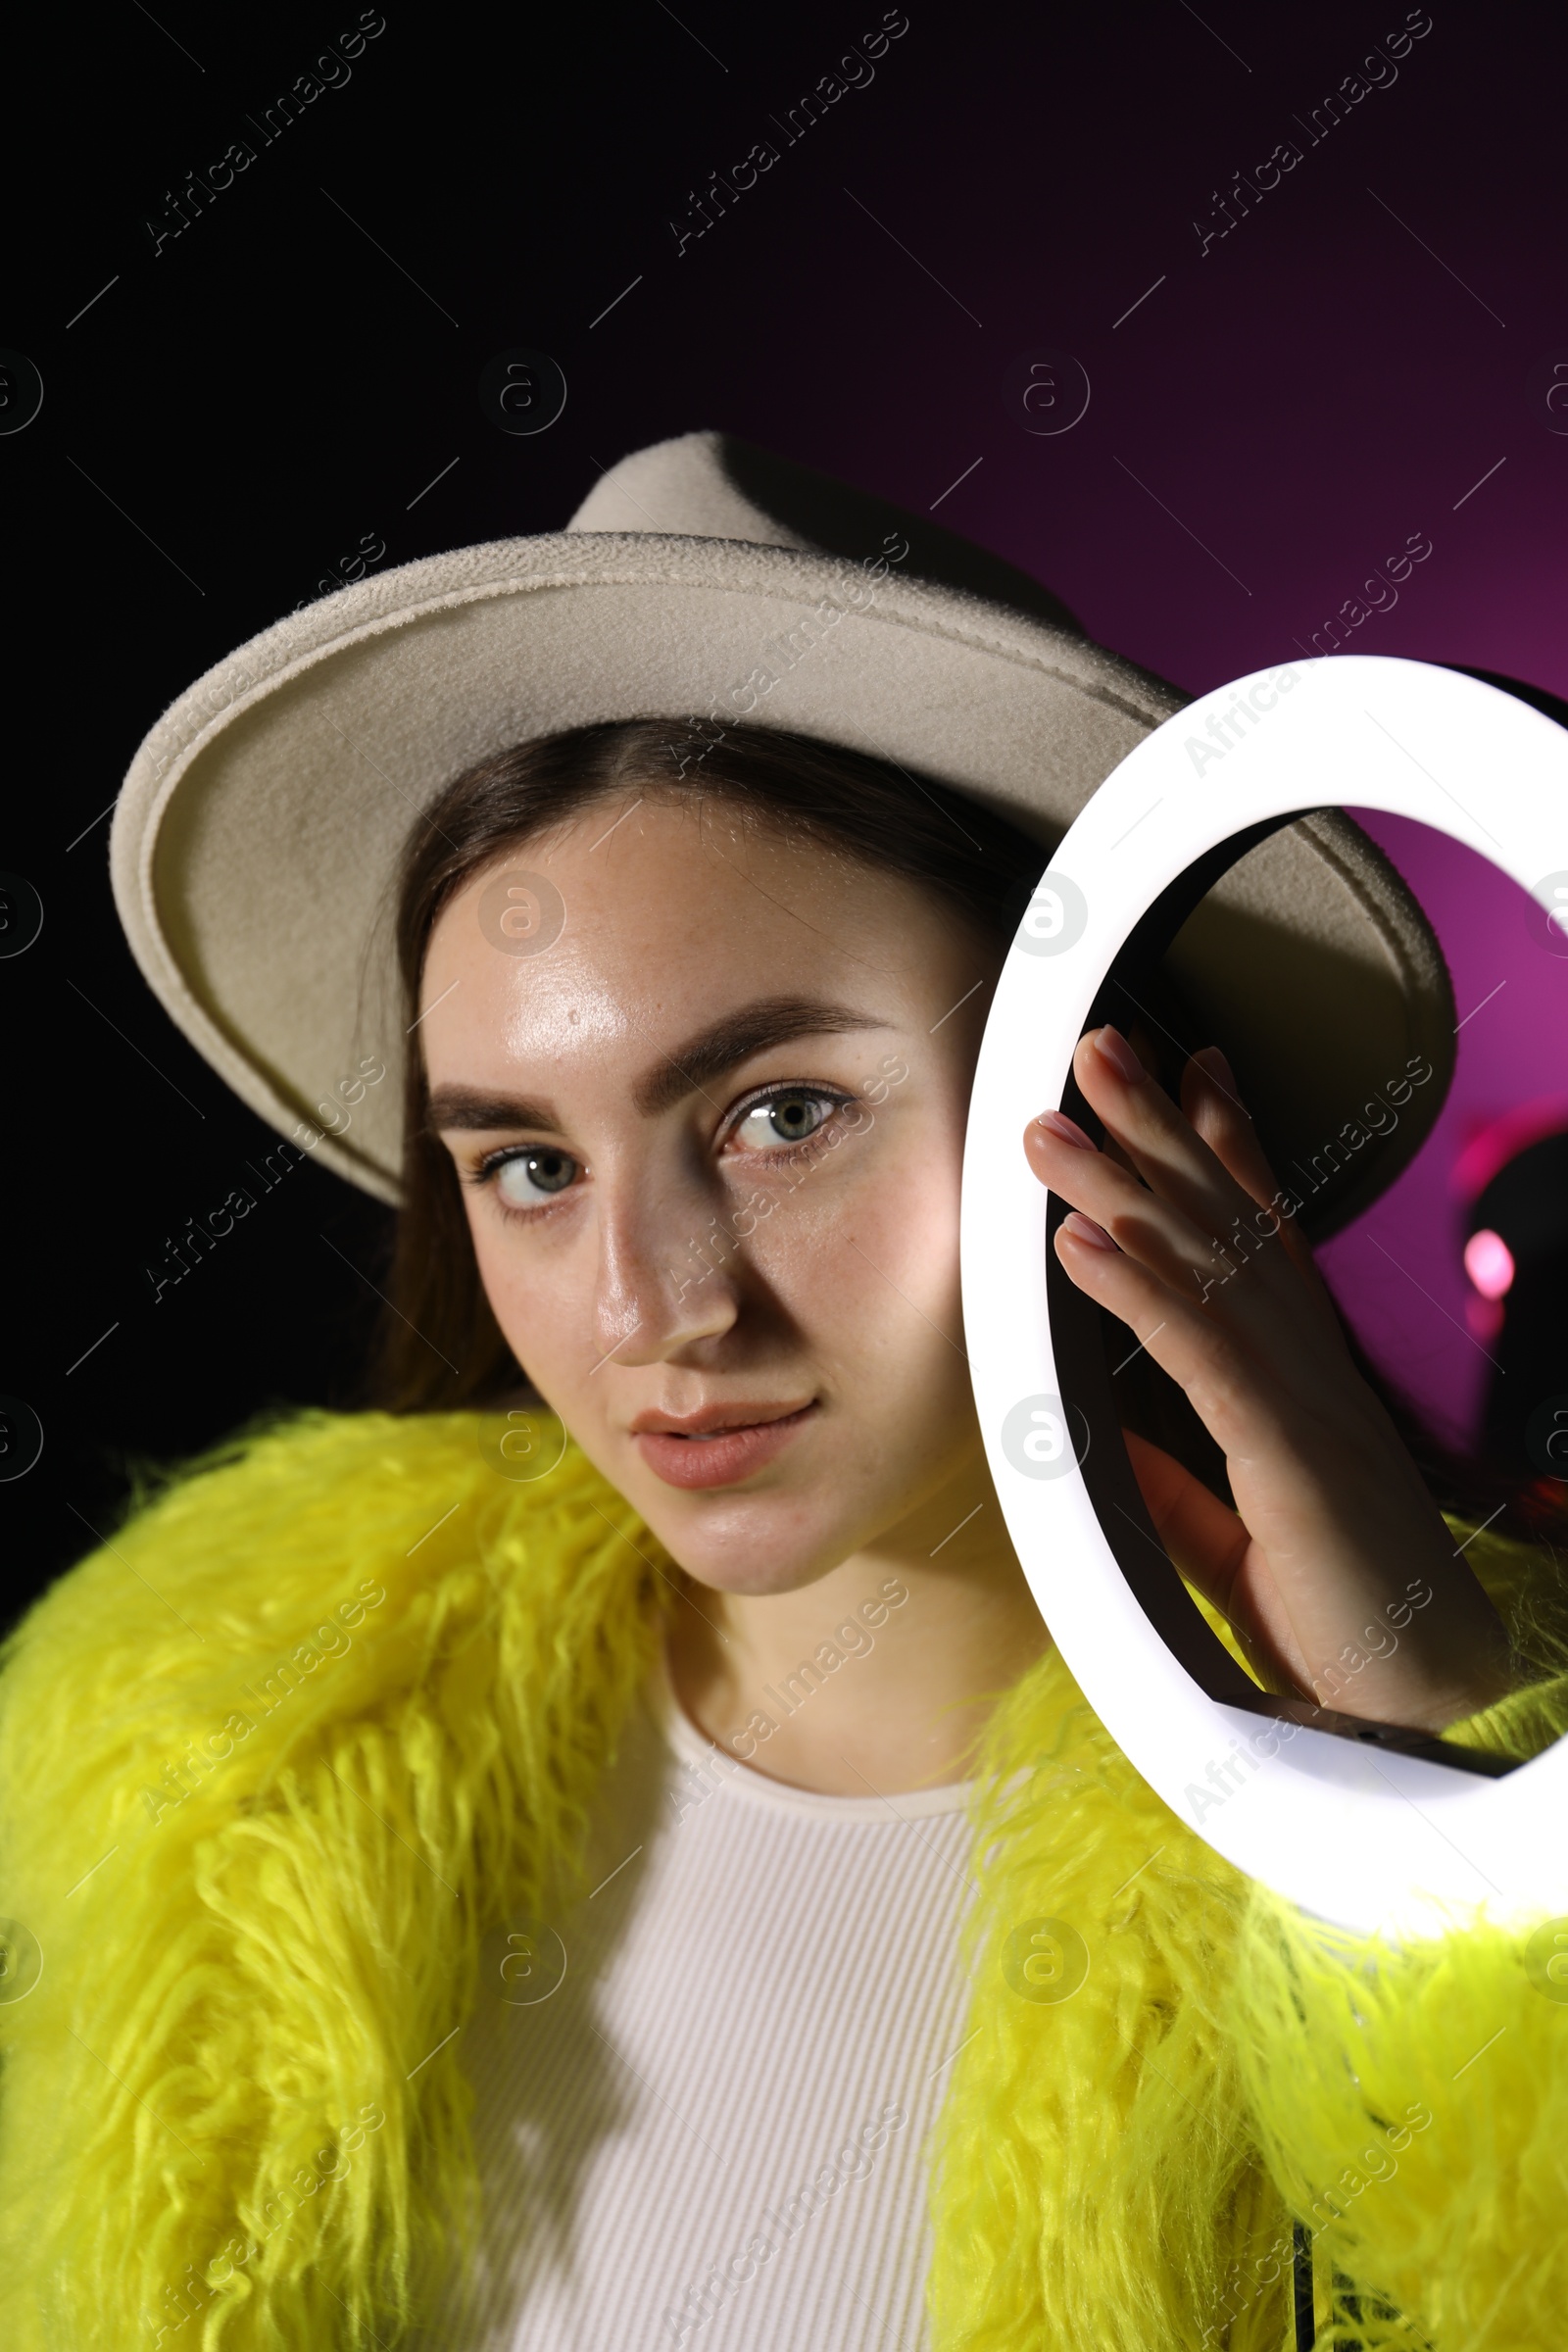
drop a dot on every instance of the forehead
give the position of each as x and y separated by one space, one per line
643 898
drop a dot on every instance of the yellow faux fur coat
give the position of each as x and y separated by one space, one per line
334 1702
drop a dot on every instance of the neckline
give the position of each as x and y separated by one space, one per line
694 1750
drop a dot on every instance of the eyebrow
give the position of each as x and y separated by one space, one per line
713 1052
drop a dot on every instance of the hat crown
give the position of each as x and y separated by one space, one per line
713 485
681 487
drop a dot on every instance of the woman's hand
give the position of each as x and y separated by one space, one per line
1339 1575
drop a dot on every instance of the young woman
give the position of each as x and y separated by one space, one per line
602 1850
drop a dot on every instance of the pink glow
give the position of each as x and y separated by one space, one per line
1511 1087
1494 1143
1488 1263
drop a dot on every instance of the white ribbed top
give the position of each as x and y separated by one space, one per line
707 2129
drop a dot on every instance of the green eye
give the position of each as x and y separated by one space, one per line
526 1178
784 1119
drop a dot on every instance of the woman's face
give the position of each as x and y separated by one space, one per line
710 1140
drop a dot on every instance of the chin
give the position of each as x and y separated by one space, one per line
754 1545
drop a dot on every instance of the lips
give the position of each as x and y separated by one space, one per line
718 1446
711 1420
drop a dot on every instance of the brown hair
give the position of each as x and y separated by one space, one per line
978 867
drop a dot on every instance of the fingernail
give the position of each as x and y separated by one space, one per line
1067 1131
1120 1055
1084 1229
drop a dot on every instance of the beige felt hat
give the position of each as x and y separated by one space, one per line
260 825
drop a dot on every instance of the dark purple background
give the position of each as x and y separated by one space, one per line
224 420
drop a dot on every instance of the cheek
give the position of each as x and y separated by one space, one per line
533 1306
868 1269
491 1260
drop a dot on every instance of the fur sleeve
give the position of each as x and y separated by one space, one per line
1413 2103
1412 2107
272 1759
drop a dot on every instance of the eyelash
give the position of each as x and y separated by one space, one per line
791 1156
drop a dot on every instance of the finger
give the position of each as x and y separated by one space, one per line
1244 1395
1179 1166
1205 1537
1208 1543
1151 1230
1212 1105
1163 1148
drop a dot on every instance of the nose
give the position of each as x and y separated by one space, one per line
667 1277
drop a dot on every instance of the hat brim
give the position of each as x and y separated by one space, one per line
257 834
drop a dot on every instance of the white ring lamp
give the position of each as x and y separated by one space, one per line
1368 1837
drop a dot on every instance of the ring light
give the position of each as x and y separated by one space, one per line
1370 1837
